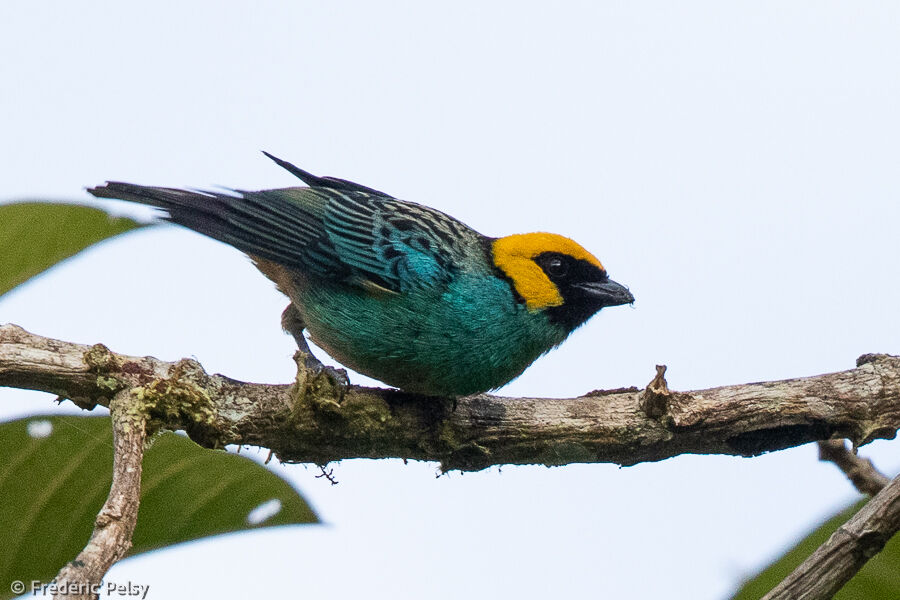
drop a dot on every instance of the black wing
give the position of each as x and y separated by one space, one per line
336 229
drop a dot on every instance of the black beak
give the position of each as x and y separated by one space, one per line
606 293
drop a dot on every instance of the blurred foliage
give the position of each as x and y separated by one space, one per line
55 473
879 579
34 236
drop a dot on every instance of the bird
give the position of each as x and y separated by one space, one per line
396 290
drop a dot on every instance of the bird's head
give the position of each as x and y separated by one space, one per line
552 273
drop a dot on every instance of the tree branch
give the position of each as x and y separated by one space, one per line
860 471
317 420
846 551
836 561
111 539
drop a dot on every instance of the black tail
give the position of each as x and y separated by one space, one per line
284 226
258 223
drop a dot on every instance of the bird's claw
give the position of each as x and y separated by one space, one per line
313 376
337 376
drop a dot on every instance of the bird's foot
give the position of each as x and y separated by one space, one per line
315 378
337 376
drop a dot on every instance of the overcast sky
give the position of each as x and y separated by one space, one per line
735 164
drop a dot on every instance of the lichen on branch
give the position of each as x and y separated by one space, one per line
318 419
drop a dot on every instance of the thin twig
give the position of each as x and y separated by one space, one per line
860 471
327 473
111 539
846 551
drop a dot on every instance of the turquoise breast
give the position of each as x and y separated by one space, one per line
468 336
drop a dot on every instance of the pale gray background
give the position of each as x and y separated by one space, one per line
735 163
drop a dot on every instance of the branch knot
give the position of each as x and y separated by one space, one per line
655 400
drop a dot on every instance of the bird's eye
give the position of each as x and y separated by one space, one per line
556 267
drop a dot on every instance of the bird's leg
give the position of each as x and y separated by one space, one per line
292 323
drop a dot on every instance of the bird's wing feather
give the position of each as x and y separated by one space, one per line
349 235
313 181
397 244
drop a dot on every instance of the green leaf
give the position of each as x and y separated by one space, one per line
55 473
879 579
34 236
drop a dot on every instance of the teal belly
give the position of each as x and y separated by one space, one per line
470 336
